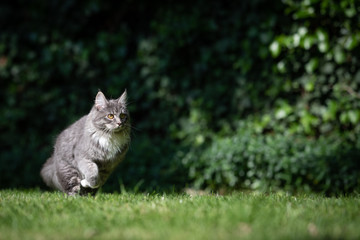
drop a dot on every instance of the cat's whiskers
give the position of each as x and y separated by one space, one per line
134 128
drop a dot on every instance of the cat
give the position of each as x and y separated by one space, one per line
87 152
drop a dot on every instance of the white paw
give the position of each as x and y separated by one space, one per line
86 184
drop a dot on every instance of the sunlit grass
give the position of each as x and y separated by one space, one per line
51 215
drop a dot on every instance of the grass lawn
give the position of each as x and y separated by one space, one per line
51 215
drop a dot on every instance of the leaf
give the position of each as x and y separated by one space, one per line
351 42
284 110
302 31
323 40
308 120
350 12
328 68
296 39
323 46
308 42
321 35
281 67
330 113
344 118
310 85
339 55
304 13
275 49
353 116
312 65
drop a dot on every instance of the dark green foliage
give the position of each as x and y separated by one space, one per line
318 61
192 71
276 161
305 139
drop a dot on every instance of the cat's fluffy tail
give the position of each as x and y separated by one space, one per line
48 173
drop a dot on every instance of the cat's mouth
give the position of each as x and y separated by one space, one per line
119 128
114 129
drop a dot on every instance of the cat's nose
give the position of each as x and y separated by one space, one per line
119 123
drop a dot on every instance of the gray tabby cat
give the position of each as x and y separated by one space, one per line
88 151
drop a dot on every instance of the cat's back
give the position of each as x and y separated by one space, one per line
68 138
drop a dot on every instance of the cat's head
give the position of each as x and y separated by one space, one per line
111 115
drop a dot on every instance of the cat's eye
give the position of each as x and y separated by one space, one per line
110 116
122 116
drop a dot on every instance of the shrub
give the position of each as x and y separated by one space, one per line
275 161
317 60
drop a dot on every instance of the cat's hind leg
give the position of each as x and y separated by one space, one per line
69 179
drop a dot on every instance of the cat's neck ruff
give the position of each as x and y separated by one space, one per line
111 143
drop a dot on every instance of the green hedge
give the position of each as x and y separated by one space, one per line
55 55
318 62
306 138
248 160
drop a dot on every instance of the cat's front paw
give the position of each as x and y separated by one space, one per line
86 184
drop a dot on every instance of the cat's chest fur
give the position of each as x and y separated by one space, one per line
108 146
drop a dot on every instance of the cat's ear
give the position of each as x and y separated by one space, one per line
100 101
123 99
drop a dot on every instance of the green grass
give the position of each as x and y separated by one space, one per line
51 215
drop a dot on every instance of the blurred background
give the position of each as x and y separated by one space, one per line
223 95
